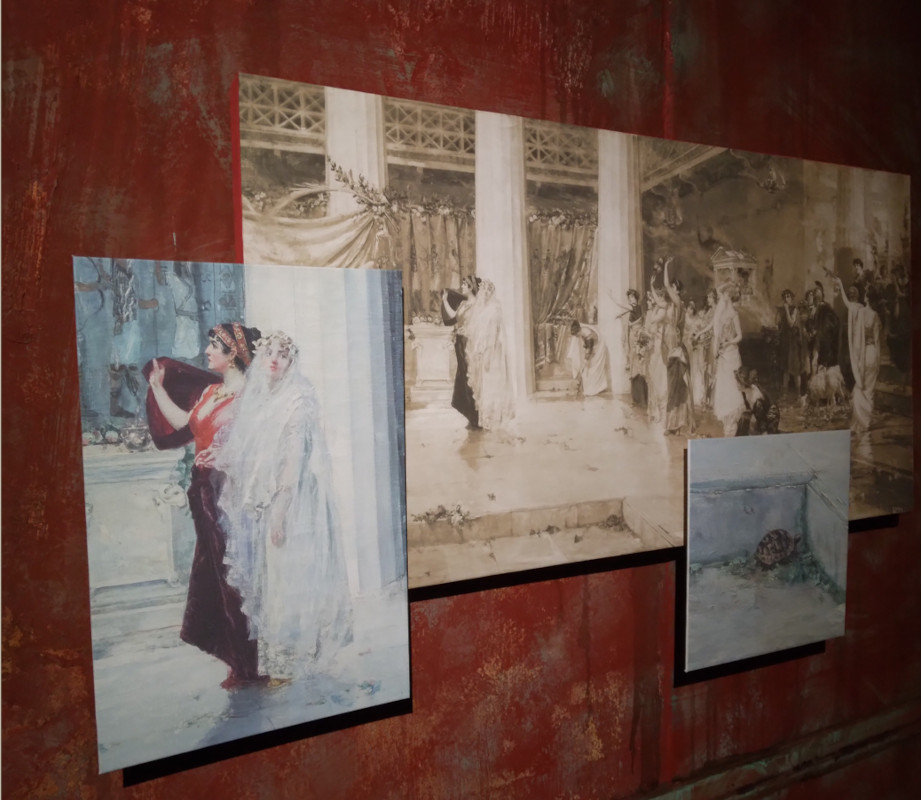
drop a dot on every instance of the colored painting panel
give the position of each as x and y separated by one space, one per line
244 483
766 545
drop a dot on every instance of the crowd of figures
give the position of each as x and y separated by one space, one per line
268 591
813 361
681 361
114 302
684 361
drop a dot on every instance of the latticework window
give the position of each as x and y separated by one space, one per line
561 153
661 159
282 115
425 135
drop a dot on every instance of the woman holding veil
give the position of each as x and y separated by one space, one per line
187 404
284 553
456 308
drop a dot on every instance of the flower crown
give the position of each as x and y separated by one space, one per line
284 342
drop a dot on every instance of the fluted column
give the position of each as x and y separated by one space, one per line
619 245
355 141
501 239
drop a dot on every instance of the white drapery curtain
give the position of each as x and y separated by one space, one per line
346 240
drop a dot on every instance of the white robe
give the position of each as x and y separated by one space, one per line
277 483
728 402
487 365
863 332
591 367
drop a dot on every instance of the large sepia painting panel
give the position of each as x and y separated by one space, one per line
580 303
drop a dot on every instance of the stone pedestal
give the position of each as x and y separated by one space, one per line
137 518
435 364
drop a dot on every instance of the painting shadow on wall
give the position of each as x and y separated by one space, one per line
766 559
556 572
141 773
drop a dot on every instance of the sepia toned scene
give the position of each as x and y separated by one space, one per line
579 303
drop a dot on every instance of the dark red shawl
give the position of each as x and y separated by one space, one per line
184 384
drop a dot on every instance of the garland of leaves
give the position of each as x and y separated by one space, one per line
380 203
434 206
384 203
301 202
563 216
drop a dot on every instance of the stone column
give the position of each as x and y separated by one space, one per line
355 141
620 263
501 237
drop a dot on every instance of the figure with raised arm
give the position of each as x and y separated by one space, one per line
179 411
863 333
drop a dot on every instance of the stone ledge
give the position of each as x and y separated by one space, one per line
518 522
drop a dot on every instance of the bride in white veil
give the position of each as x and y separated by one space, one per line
284 552
487 364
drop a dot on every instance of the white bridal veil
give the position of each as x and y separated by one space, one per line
284 551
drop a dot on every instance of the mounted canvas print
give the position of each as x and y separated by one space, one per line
766 544
244 481
579 303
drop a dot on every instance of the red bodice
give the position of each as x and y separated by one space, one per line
207 418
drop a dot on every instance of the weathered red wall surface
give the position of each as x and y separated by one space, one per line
116 141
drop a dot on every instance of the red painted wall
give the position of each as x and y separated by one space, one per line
116 141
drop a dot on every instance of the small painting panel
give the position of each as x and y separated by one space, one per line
766 545
244 485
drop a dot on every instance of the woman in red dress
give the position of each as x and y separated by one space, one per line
213 619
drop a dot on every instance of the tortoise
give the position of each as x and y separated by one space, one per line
776 546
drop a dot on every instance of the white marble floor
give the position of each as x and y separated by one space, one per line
732 617
549 490
157 696
540 493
